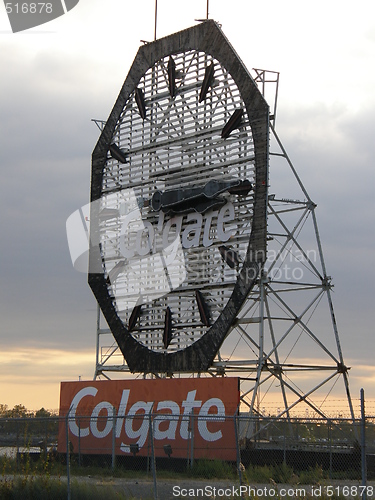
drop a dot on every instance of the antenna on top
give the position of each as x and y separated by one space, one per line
156 18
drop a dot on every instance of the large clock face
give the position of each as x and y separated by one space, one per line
178 208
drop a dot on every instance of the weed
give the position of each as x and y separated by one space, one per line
259 474
45 488
209 469
313 475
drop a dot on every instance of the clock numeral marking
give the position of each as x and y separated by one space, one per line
203 308
207 82
140 100
172 76
136 312
167 334
117 153
233 123
229 256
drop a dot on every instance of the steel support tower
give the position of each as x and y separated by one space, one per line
285 344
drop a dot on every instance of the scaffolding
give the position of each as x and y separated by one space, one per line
285 340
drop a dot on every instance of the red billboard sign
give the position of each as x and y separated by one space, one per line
175 416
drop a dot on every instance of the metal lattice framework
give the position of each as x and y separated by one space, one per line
288 326
285 339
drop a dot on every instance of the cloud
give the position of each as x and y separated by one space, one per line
51 87
32 376
46 138
332 148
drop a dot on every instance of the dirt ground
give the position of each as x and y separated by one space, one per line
171 489
227 489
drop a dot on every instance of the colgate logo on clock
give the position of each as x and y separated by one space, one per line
140 237
149 255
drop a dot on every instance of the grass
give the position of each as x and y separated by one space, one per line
210 469
283 473
45 488
45 478
50 465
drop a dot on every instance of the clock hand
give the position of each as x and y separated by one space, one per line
172 198
201 205
243 189
214 187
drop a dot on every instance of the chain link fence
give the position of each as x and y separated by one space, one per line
256 450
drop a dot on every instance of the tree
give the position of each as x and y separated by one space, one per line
42 413
19 411
4 411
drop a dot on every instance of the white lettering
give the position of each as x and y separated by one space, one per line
207 241
218 417
134 424
142 431
191 234
145 239
96 419
172 419
131 225
189 404
138 236
226 214
167 236
74 429
176 491
121 411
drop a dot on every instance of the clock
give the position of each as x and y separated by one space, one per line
179 201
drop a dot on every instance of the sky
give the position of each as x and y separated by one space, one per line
59 76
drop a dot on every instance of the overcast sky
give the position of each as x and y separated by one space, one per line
55 78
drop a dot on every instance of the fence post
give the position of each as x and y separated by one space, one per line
153 465
192 440
363 445
79 441
189 439
330 448
114 438
68 453
237 451
148 453
18 446
45 451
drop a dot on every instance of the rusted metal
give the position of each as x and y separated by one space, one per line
172 76
233 123
207 81
117 153
204 38
136 312
140 100
203 308
167 336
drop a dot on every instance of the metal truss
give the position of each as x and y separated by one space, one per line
285 344
287 328
288 324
